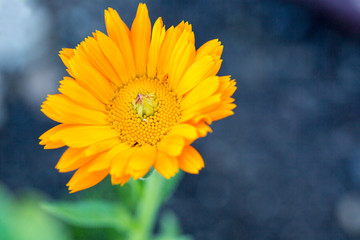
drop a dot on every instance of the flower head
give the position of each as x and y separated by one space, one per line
137 98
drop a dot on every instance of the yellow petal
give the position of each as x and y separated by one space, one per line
166 49
181 58
184 130
136 174
61 109
196 73
212 47
215 69
227 86
157 37
203 129
65 55
141 161
140 35
119 163
120 34
190 160
167 166
201 92
171 145
101 146
120 180
53 145
78 136
52 131
91 54
115 57
186 26
83 179
220 114
201 118
71 88
105 159
72 159
45 137
201 108
91 80
224 108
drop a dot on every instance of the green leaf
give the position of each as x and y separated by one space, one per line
91 213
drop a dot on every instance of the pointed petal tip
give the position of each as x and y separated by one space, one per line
108 10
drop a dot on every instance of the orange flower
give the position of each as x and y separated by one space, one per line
136 99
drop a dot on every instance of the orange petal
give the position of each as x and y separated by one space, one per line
83 179
120 180
166 49
171 145
105 159
71 88
203 129
91 54
120 34
140 35
182 57
141 161
157 38
66 54
212 47
45 137
101 146
201 108
115 57
220 114
91 79
190 160
78 136
166 165
196 73
61 109
69 157
184 130
201 92
119 162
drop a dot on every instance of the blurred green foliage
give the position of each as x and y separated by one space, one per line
23 219
131 215
128 212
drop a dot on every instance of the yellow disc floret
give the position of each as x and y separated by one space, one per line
143 111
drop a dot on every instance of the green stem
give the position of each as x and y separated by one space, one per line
148 207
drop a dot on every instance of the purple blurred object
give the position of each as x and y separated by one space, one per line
345 12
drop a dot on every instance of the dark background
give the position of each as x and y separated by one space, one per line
285 166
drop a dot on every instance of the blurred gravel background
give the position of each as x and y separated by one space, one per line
286 166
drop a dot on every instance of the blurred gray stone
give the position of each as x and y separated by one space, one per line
348 214
24 26
40 79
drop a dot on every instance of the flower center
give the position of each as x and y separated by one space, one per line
143 111
144 105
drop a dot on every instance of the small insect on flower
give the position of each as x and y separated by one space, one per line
135 99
